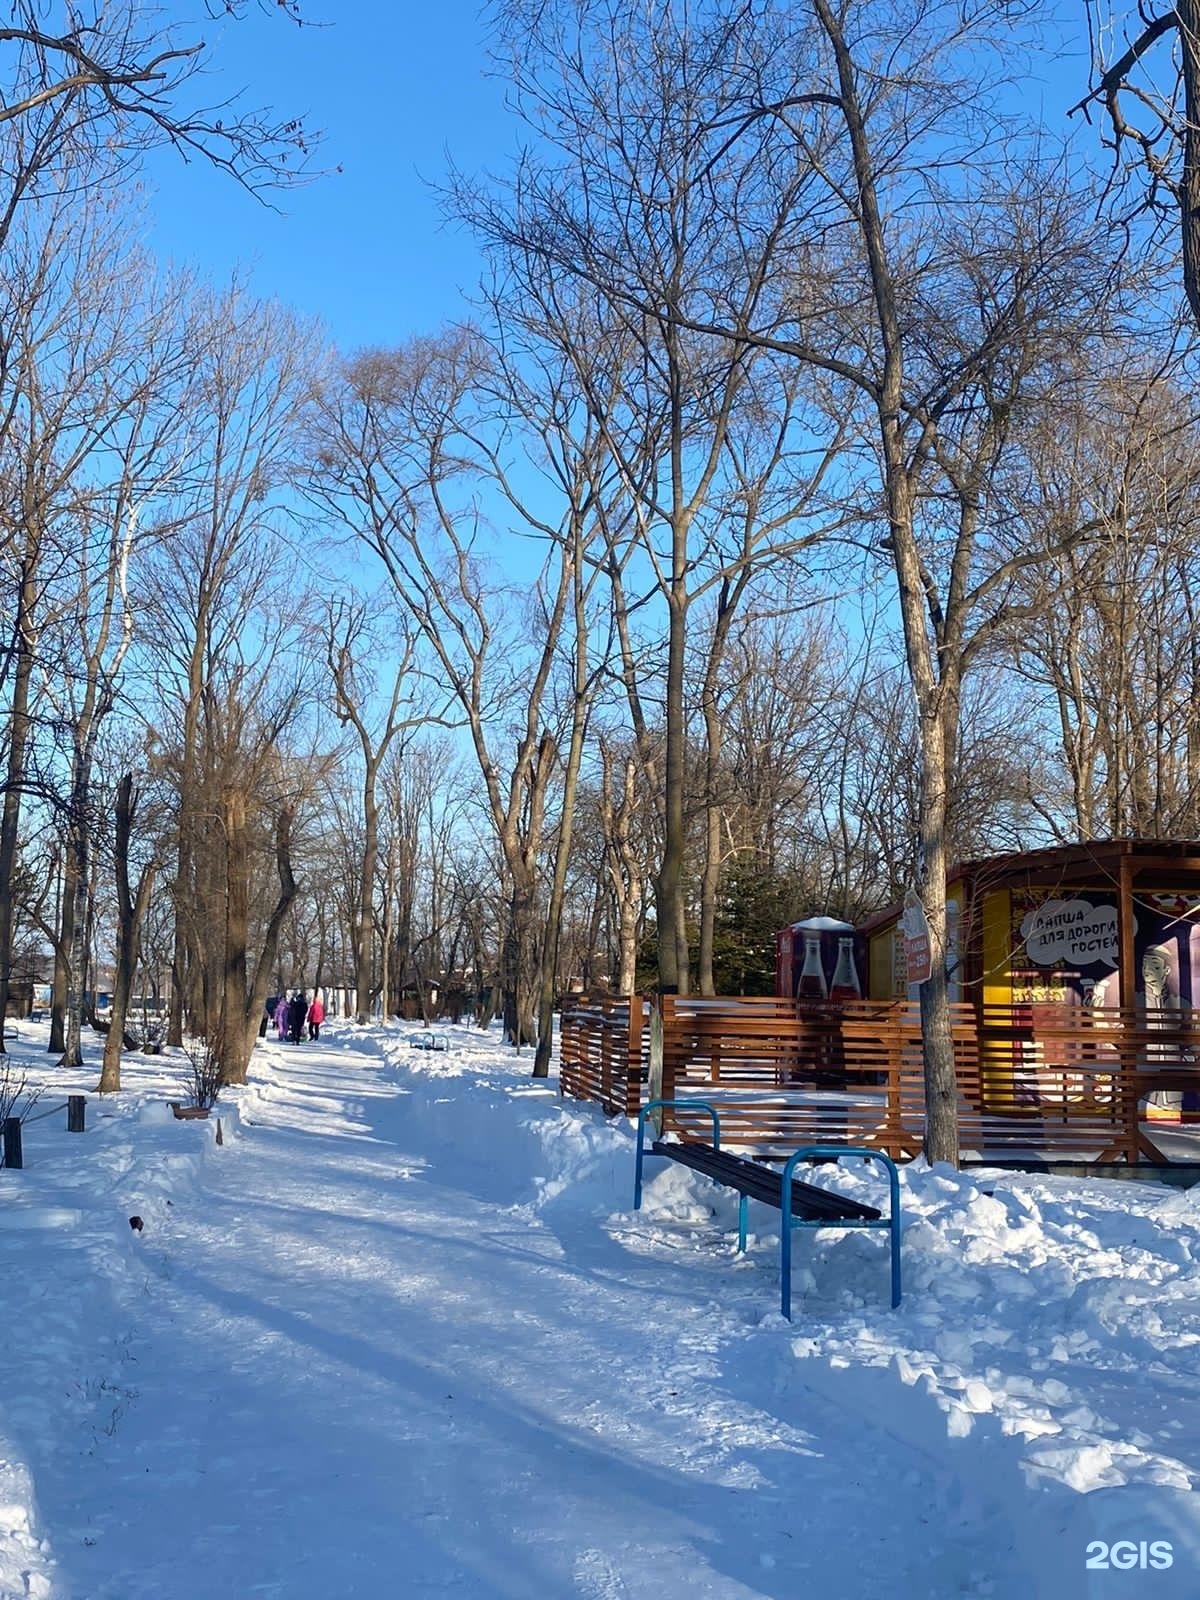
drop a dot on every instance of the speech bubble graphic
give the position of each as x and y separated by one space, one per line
1074 932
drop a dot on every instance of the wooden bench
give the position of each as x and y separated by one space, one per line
810 1206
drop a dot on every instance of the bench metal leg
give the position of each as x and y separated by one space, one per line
892 1222
743 1207
653 1105
637 1166
785 1264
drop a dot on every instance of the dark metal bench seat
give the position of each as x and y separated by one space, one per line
761 1183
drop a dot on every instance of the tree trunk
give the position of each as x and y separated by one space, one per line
322 950
239 1046
62 957
935 702
941 1088
130 911
682 951
566 829
233 999
179 956
623 872
941 1105
1188 12
385 954
519 966
364 955
668 885
186 959
710 880
709 885
558 888
77 848
18 740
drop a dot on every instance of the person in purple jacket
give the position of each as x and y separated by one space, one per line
281 1017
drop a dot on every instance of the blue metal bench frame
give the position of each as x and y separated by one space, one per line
430 1041
808 1153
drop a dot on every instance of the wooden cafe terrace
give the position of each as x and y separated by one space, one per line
1075 978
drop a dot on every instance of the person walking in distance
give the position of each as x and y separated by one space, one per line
281 1017
316 1016
297 1011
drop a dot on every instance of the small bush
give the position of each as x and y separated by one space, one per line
203 1079
17 1099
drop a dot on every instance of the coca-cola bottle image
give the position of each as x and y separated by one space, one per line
845 984
812 985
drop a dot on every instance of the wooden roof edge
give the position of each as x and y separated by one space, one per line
1101 852
1048 857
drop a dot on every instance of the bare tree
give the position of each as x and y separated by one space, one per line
649 195
91 436
625 866
227 562
1011 296
929 300
348 640
1106 635
395 441
114 79
1158 140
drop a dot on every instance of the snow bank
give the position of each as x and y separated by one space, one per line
68 1258
1064 1312
1046 1347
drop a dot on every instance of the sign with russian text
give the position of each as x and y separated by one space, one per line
1072 933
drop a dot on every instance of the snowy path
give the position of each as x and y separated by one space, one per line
361 1361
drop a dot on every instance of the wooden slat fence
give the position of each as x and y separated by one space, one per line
1035 1083
603 1050
785 1075
1073 1079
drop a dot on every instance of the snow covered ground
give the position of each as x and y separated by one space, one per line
400 1335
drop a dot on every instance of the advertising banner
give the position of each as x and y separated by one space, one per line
1067 953
1068 947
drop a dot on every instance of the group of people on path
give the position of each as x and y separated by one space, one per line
290 1015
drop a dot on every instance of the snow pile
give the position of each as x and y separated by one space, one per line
1067 1309
1045 1347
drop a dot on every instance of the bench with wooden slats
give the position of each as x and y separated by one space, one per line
810 1206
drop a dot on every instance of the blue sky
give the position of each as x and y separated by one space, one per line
398 89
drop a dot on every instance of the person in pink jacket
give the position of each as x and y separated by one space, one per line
316 1016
